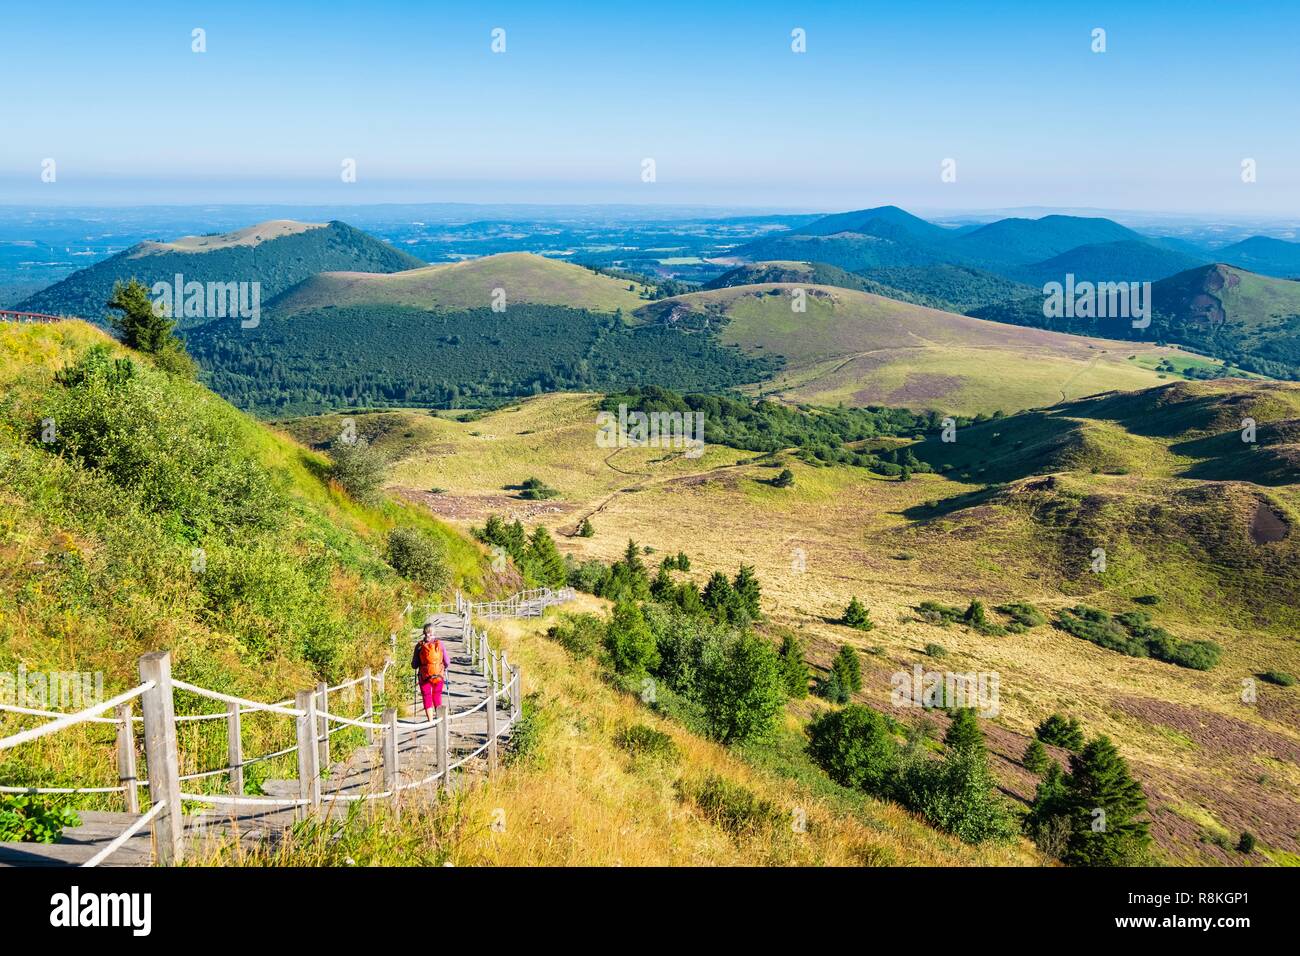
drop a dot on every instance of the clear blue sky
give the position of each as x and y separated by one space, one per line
711 92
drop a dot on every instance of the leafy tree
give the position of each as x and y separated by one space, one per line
857 616
793 667
741 687
689 598
958 794
855 747
629 641
1035 759
964 731
1103 803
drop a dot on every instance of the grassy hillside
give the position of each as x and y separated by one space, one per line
157 516
276 254
1129 480
1263 254
862 349
455 287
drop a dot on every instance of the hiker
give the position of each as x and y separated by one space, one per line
430 663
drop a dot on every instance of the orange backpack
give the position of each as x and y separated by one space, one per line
430 659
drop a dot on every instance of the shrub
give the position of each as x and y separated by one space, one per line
784 480
855 748
526 734
857 616
34 819
1023 616
359 469
1247 842
959 795
1035 759
579 634
741 686
419 557
628 640
642 741
1047 822
935 613
534 489
1060 732
830 688
585 530
734 807
1132 633
1280 678
936 650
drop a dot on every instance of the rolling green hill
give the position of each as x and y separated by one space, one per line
1249 320
1128 260
1010 242
453 287
863 349
945 287
277 254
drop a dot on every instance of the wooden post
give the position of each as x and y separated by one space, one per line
234 750
390 751
483 650
308 769
495 676
443 735
516 696
161 755
368 699
126 757
492 731
505 673
323 724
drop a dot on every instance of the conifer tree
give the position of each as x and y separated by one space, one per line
857 616
1103 802
1035 758
964 731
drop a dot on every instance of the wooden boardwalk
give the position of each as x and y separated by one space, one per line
362 776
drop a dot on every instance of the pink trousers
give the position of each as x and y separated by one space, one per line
431 690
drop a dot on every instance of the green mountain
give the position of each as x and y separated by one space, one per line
1012 242
1128 260
886 222
947 287
813 273
1274 257
276 254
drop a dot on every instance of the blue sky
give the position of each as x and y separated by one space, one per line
712 92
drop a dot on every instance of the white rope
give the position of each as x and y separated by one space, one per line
227 699
465 713
363 724
72 719
244 801
121 789
470 756
55 713
125 835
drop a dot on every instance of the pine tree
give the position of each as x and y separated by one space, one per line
662 587
857 616
748 590
718 595
632 560
1047 822
793 667
1103 802
1035 758
629 640
848 669
585 530
964 731
148 330
545 560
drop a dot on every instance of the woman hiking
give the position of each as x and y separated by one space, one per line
430 662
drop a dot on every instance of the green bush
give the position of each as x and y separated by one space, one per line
857 616
629 641
742 688
34 819
936 650
645 742
794 669
964 731
855 747
1280 678
534 489
959 795
579 634
419 557
1132 633
735 808
1023 616
1247 842
527 733
179 456
359 469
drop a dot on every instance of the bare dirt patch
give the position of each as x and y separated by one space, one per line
479 507
1267 525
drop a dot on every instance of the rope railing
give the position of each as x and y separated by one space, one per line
315 723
